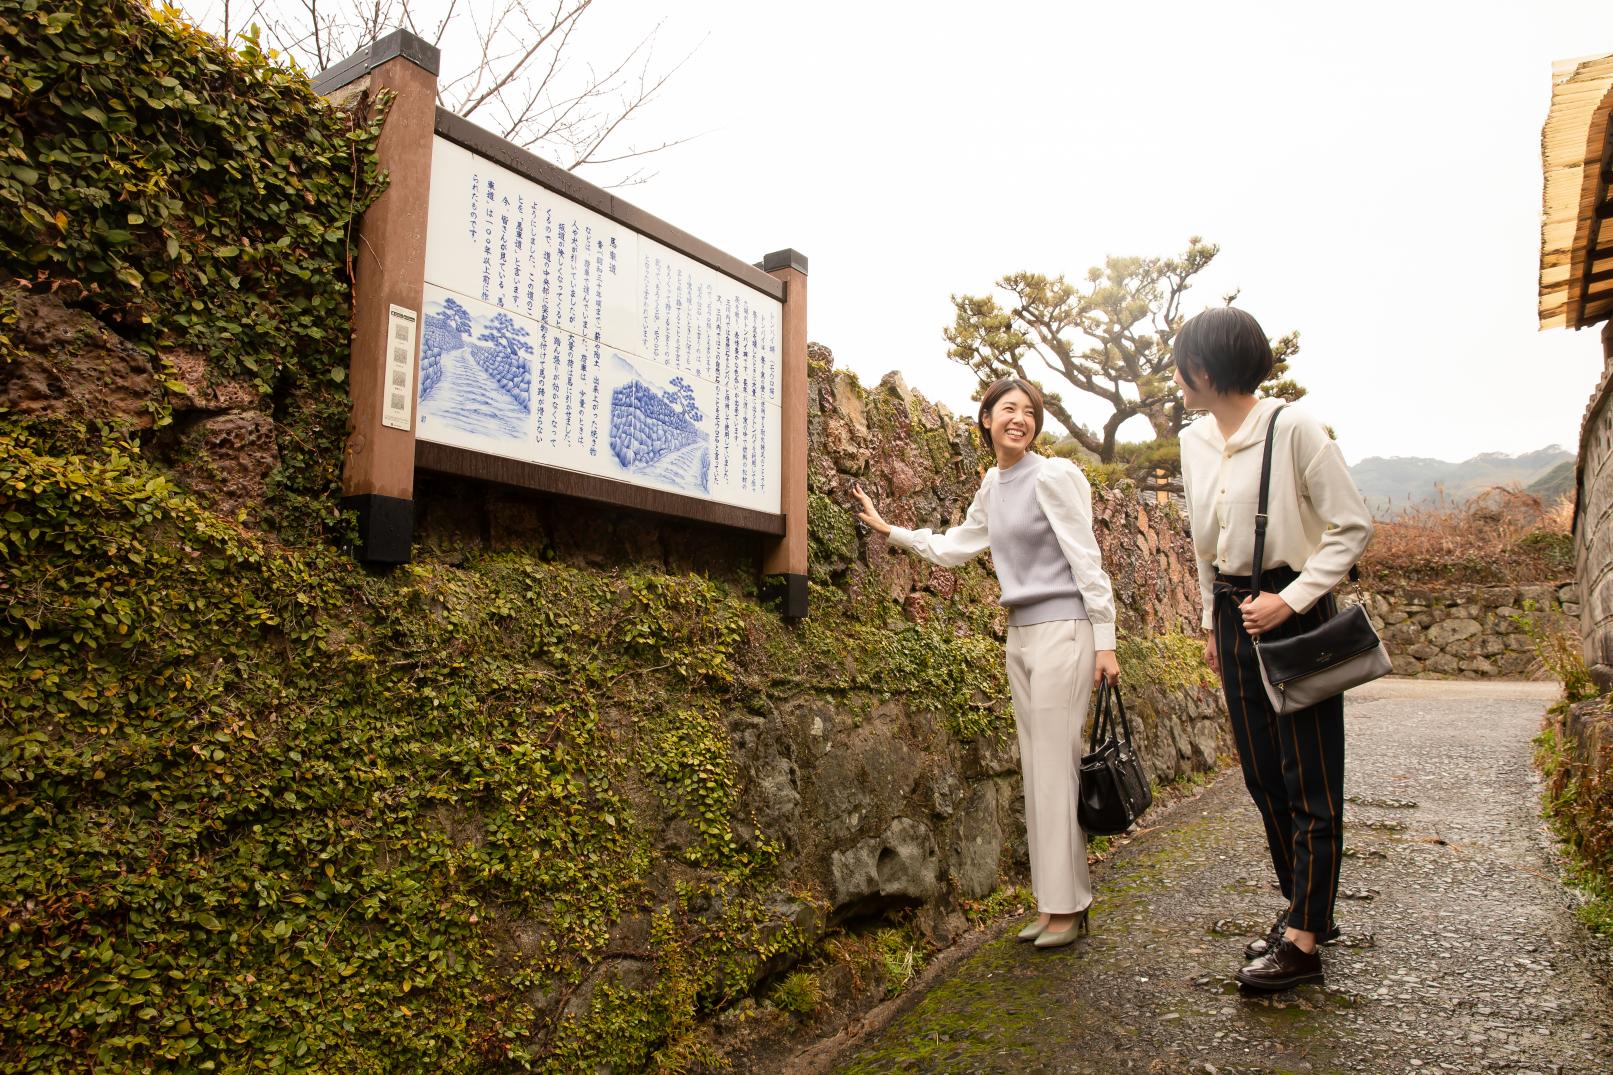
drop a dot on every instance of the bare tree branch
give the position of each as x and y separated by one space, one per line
524 68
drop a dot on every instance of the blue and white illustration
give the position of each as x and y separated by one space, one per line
655 431
529 295
475 371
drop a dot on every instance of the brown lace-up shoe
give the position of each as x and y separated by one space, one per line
1284 967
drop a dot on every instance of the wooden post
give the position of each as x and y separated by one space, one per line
784 559
389 267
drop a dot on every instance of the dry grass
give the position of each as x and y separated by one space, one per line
1502 536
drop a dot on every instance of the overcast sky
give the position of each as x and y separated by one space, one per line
1371 172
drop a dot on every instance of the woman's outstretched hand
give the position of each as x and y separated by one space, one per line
1105 667
868 513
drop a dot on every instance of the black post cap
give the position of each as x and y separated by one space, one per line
416 50
784 259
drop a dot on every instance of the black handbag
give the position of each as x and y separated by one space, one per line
1114 791
1312 666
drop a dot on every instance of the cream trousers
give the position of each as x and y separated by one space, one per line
1050 677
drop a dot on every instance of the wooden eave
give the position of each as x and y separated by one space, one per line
1576 232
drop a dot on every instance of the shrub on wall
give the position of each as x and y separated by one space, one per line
194 197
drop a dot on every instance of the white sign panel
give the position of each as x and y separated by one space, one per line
554 335
397 407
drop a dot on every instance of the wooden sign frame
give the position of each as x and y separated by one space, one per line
383 452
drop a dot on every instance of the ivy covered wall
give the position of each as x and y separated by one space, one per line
562 794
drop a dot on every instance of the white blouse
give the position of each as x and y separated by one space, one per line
1065 497
1316 523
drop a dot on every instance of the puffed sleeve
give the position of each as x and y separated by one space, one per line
950 547
1206 569
1065 496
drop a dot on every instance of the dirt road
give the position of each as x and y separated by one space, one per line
1460 950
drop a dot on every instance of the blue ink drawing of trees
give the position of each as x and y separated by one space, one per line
681 399
653 433
475 373
446 330
504 357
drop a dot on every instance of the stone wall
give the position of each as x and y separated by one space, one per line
1593 536
1470 632
922 465
879 807
1576 756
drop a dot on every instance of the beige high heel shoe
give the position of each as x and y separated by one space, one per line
1066 936
1031 932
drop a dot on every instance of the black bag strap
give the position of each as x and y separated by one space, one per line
1120 709
1260 511
1100 716
1110 720
1260 507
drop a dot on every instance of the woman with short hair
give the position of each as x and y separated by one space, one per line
1317 527
1035 514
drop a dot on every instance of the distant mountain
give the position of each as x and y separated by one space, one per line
1396 482
1555 484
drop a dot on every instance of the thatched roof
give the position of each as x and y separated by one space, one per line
1576 230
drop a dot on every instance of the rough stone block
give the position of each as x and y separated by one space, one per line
1444 665
994 756
1462 649
1403 665
234 454
778 795
1443 634
68 364
854 873
1542 596
1495 596
1402 634
1206 744
848 403
978 853
1516 664
907 865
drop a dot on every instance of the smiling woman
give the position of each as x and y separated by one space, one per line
1035 514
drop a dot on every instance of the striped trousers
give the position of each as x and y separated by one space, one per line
1293 765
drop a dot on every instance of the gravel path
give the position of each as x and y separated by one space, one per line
1460 950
